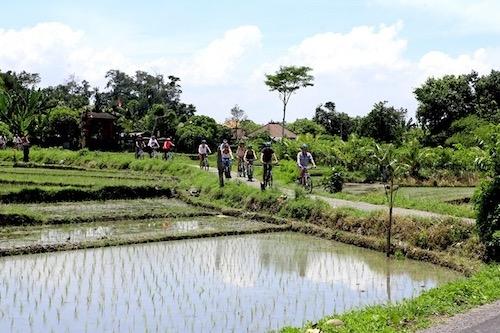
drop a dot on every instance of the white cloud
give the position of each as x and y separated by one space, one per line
481 16
437 63
56 51
362 48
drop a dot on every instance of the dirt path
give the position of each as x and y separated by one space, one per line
336 203
484 319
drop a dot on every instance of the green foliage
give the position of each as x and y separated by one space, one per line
335 123
306 126
286 81
384 123
4 130
334 181
488 216
63 125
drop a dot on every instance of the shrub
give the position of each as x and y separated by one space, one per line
488 217
334 181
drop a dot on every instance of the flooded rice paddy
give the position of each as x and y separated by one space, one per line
20 236
252 283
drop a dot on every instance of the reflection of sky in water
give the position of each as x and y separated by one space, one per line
248 283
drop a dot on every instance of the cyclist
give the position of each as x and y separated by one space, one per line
227 156
139 146
153 145
203 151
240 154
303 159
168 146
267 156
249 158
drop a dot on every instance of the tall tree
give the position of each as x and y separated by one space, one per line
335 123
384 123
442 101
286 81
237 116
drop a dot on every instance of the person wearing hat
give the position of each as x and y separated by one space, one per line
240 154
153 146
139 146
304 157
226 157
249 158
168 146
203 151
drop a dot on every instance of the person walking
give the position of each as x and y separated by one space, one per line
139 146
25 144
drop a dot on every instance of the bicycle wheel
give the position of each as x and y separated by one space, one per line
308 184
205 164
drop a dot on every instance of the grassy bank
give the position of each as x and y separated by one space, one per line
420 312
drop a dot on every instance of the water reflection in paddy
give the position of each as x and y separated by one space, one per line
243 284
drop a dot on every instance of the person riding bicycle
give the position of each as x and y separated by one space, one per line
303 159
240 154
226 156
168 146
266 158
139 146
203 151
153 146
249 157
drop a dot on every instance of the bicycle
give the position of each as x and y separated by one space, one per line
306 180
204 162
241 168
227 167
249 167
268 176
169 155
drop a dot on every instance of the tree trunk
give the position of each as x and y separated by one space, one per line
389 227
283 124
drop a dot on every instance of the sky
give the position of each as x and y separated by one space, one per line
361 51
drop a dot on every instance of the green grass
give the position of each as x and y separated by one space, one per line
431 199
420 312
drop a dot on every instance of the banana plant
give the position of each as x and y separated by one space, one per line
391 169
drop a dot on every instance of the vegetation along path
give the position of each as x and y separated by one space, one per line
336 203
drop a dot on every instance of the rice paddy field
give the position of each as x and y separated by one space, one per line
252 283
78 261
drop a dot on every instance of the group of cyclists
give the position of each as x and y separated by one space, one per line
246 156
153 147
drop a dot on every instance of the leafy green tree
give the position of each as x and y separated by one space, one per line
443 101
305 126
249 126
286 81
487 89
335 123
384 123
64 126
73 94
22 106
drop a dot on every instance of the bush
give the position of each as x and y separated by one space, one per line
488 217
334 182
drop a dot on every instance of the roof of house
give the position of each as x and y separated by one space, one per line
100 115
274 130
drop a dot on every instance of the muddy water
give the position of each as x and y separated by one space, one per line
251 283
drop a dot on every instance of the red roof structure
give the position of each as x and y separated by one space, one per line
274 130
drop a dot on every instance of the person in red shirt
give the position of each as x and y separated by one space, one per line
168 146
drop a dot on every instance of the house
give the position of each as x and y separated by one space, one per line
98 131
274 131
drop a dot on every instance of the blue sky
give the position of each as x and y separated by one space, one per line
361 51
